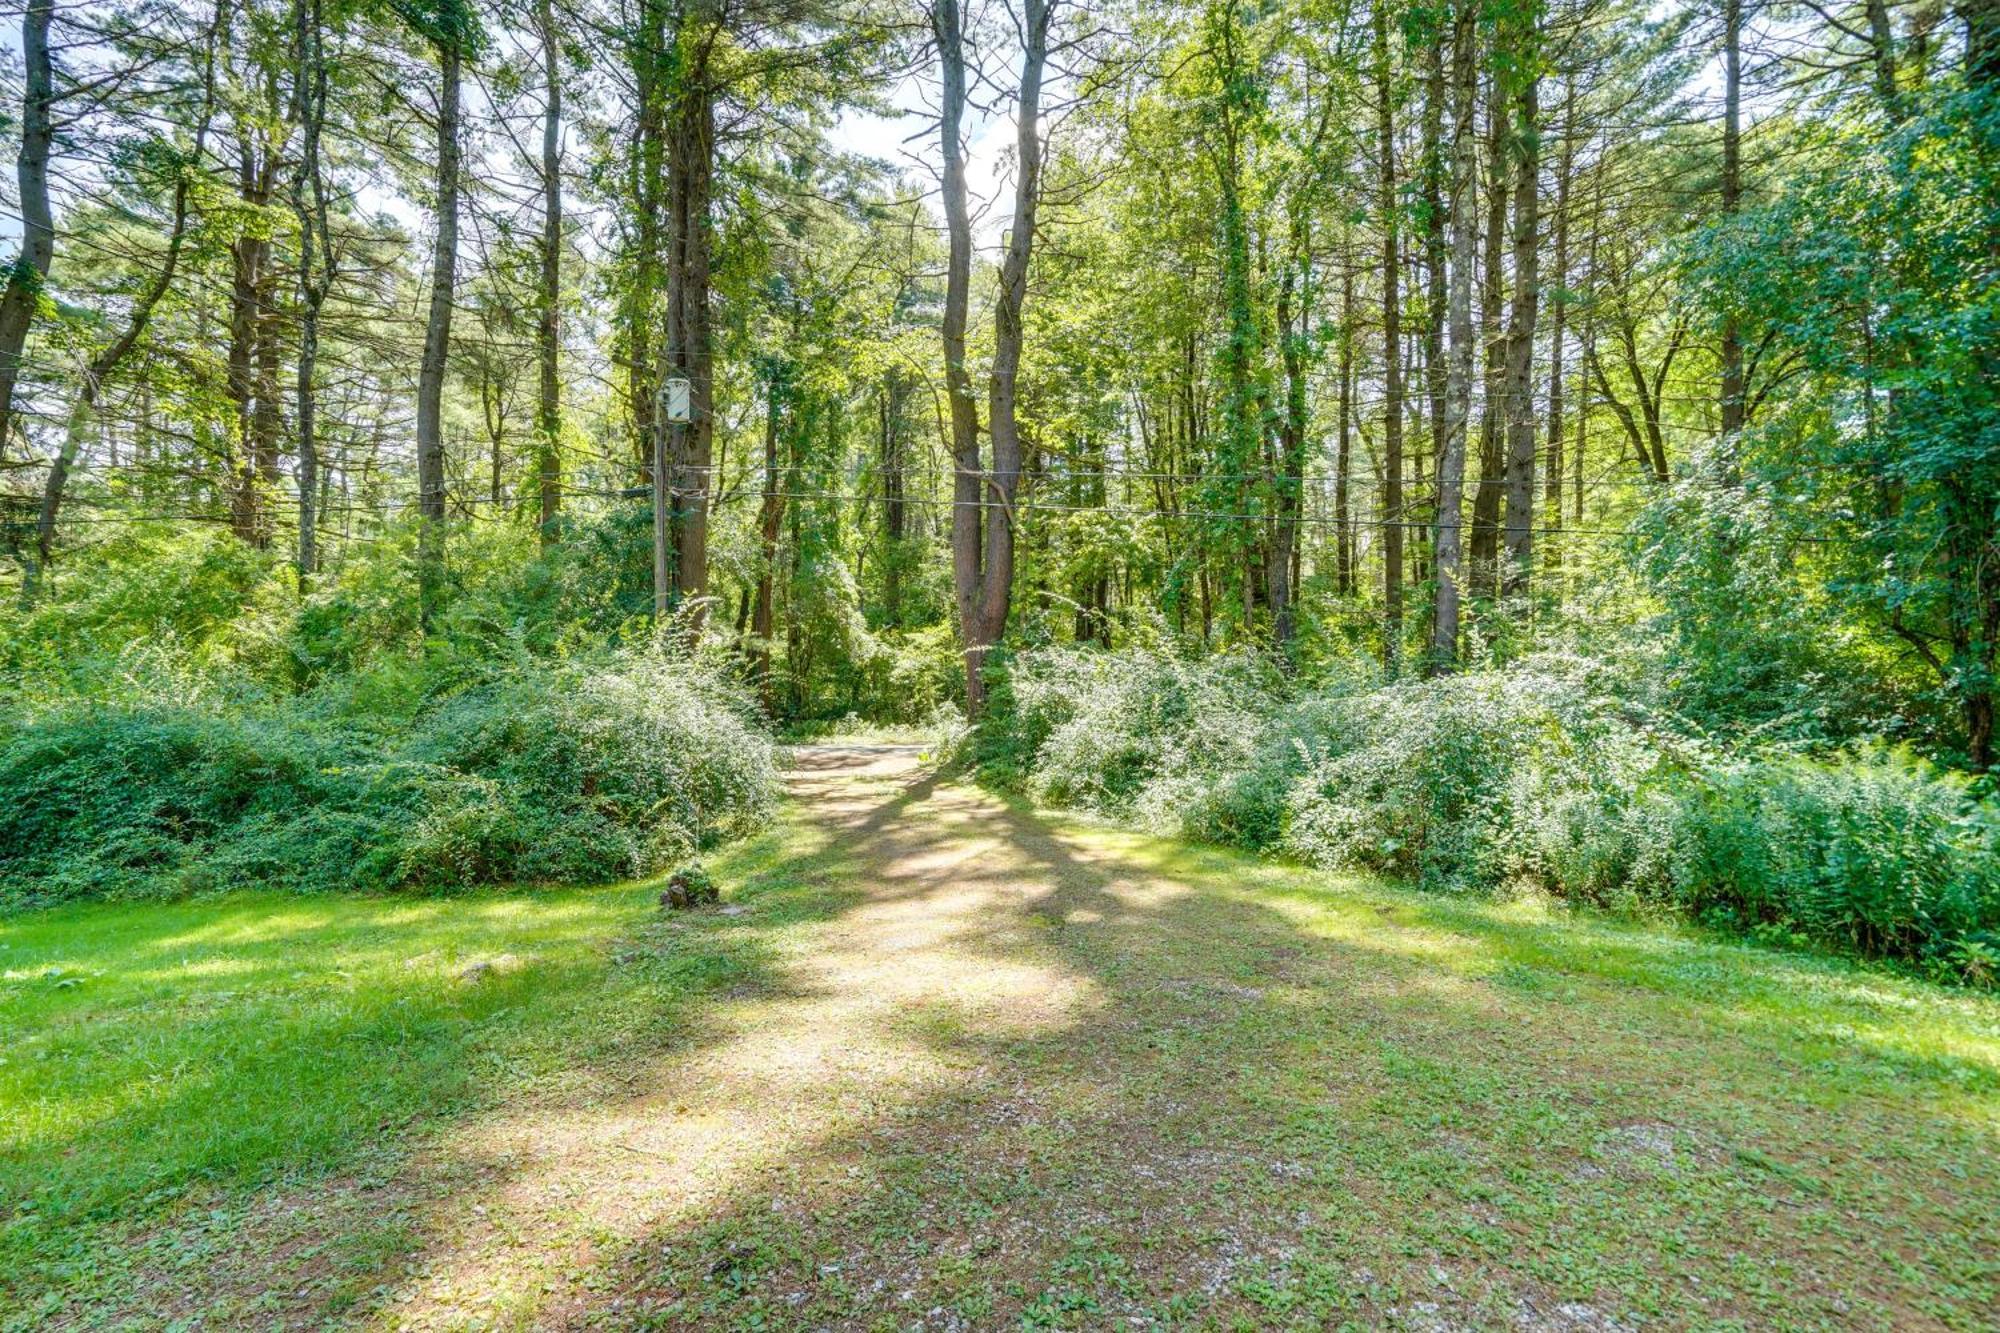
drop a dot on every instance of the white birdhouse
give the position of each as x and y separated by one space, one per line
677 398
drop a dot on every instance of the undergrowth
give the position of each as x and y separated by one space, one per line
1549 774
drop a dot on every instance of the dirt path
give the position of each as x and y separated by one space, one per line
976 1067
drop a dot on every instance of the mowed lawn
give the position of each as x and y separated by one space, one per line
946 1061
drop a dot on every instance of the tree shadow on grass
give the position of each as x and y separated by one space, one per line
964 1065
198 1086
1038 1072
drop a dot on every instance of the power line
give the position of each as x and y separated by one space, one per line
272 503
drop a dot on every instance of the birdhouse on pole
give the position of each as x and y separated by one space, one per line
677 401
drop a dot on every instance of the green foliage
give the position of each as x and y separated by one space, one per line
1553 775
1529 775
1877 852
149 604
564 772
183 721
1118 731
690 886
1872 271
1749 644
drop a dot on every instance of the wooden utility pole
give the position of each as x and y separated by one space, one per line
669 427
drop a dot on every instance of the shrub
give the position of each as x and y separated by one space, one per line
1125 731
560 772
1875 852
1483 779
1546 775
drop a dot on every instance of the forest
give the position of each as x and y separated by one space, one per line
1539 455
1494 442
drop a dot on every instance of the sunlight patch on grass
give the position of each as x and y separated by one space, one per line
1017 1063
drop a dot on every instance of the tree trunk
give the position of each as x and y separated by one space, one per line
437 340
548 405
101 366
1527 298
1293 321
997 557
1243 453
1435 172
247 255
692 165
1732 194
647 166
967 467
1392 356
1552 487
1493 290
316 266
1589 340
30 269
1343 505
770 519
1458 385
268 421
982 528
893 393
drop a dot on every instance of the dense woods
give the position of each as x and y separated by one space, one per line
999 664
1523 439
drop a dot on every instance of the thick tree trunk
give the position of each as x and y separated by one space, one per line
1003 484
968 470
982 533
437 341
30 269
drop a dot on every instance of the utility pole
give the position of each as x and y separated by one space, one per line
676 410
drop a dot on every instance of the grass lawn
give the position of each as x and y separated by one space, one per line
947 1061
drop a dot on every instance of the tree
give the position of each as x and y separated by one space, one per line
1458 392
1389 206
548 405
30 268
452 30
982 531
1520 47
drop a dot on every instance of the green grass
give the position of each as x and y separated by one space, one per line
223 1049
1259 1097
